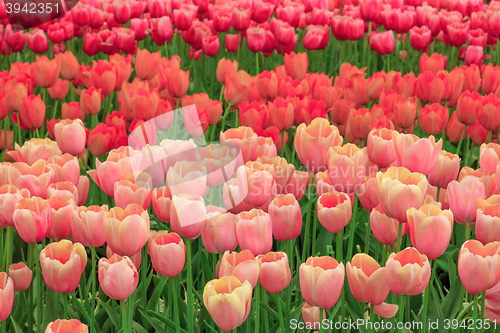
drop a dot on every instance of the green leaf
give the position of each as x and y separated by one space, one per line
156 325
153 301
113 316
138 327
355 318
453 302
17 329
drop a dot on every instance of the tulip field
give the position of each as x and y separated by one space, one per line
191 166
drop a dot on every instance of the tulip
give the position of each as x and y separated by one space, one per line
405 112
313 141
66 326
127 229
45 72
468 106
101 139
334 211
90 101
118 277
368 192
210 45
430 87
489 156
236 87
415 154
380 147
104 75
70 136
346 27
64 168
488 220
243 266
72 111
296 65
88 227
59 90
286 217
32 112
430 229
68 65
487 114
367 280
310 314
147 64
274 271
62 265
420 38
21 275
133 190
219 234
313 273
399 190
408 272
187 177
257 180
254 231
188 215
297 184
479 266
384 228
33 219
382 42
462 197
9 197
168 253
6 296
228 301
370 9
63 211
178 82
225 67
232 42
346 167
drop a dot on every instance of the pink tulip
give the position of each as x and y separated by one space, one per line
65 168
242 265
380 147
188 215
35 178
21 275
168 253
445 170
368 192
62 265
310 314
33 219
254 231
127 230
63 211
479 266
313 141
87 227
118 277
70 136
63 190
430 229
334 211
66 326
286 217
416 154
274 271
112 170
136 258
257 180
346 167
462 197
9 197
488 220
161 199
367 280
187 177
399 190
489 155
408 272
228 301
219 234
313 275
384 228
132 190
6 296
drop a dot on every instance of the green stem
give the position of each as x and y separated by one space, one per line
31 294
372 319
55 109
257 307
19 138
401 308
94 287
282 152
144 268
306 236
40 288
467 232
257 63
173 286
483 299
65 304
224 117
353 227
8 248
467 151
426 297
289 247
320 320
315 223
400 240
280 313
123 311
189 291
338 245
369 51
474 312
368 234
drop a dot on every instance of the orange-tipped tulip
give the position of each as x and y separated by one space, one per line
313 276
6 296
62 265
33 219
127 230
488 219
367 280
66 326
408 272
21 275
334 211
416 154
219 234
286 217
70 136
228 301
254 231
147 64
479 266
242 265
88 227
462 197
399 190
